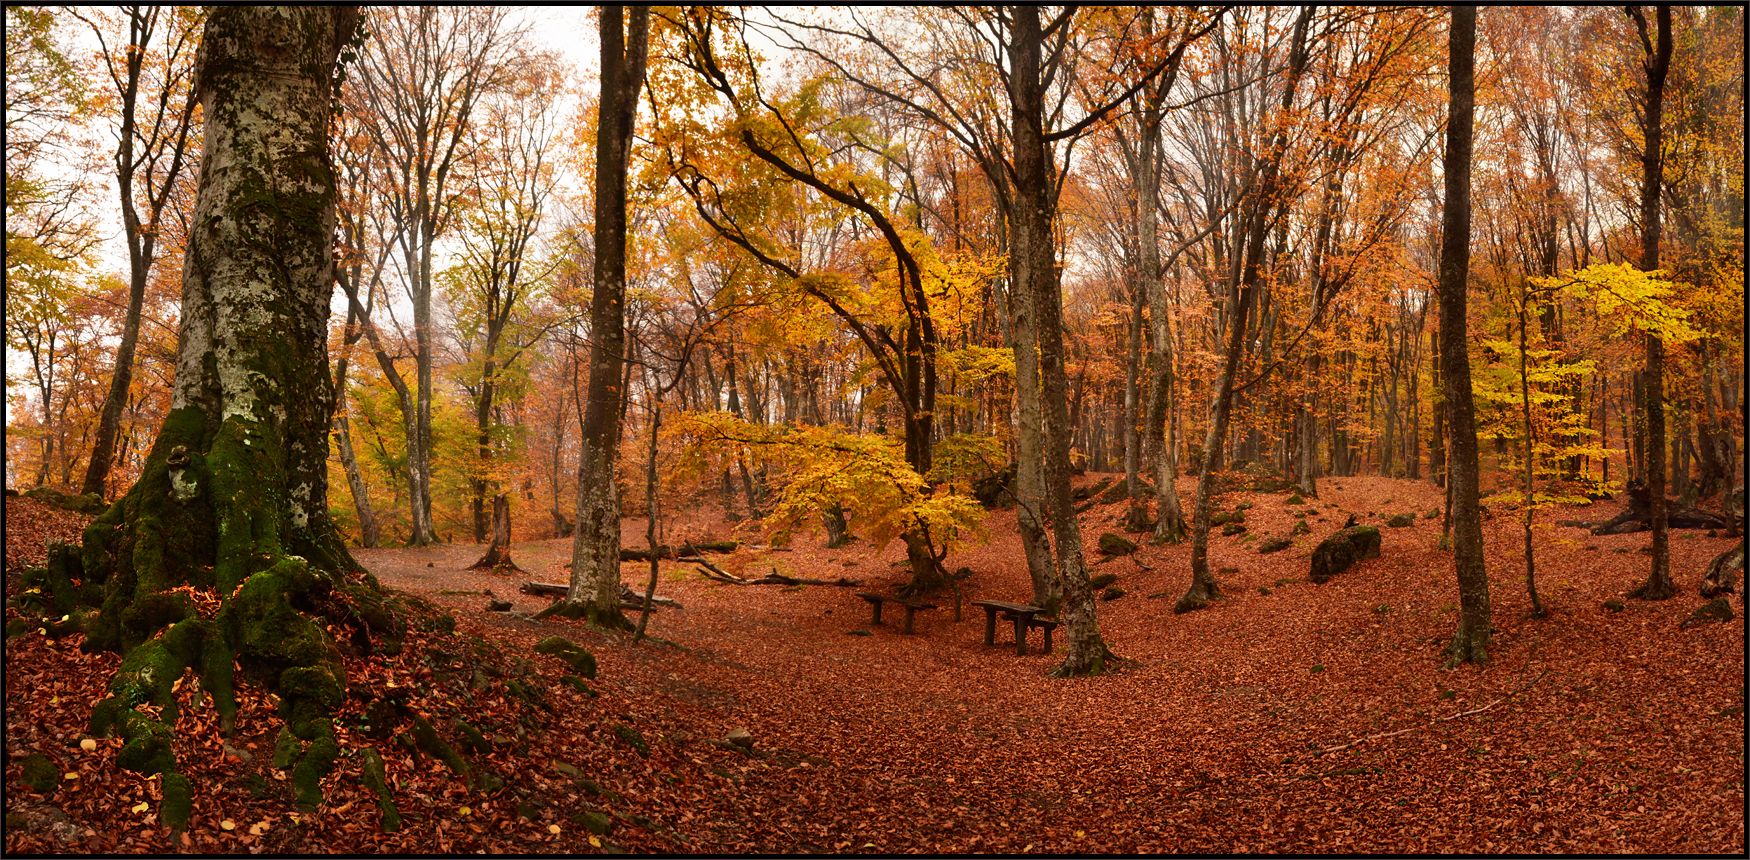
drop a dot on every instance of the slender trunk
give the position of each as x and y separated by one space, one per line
595 553
1658 585
1470 641
369 535
1530 503
1239 301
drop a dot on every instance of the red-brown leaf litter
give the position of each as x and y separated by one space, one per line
1591 730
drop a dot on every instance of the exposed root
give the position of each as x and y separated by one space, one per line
1201 594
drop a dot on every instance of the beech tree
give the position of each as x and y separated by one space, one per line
420 79
594 592
1657 64
233 496
1471 641
152 70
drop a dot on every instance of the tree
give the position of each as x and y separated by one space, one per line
1470 642
1265 196
594 592
1657 64
500 270
420 79
156 131
233 497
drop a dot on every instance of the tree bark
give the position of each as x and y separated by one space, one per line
1470 642
1239 301
1036 310
142 238
595 551
1658 63
233 496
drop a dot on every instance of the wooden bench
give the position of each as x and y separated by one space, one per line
912 607
1025 616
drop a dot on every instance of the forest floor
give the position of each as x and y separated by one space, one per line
1287 717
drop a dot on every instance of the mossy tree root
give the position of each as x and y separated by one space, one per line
161 536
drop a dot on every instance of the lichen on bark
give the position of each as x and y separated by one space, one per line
233 496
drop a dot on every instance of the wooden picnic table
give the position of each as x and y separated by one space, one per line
912 607
1023 615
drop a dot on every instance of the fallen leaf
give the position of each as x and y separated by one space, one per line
227 824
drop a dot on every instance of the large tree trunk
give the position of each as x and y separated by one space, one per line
1470 642
1038 324
1658 585
233 496
595 551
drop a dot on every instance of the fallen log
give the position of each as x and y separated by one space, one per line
711 571
1638 516
685 549
629 599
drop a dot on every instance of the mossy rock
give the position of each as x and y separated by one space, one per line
632 738
1241 508
88 503
1296 500
1399 521
427 740
1113 544
1614 605
41 773
581 661
1102 581
1339 551
1112 593
1233 528
1275 544
1717 609
1300 528
1433 514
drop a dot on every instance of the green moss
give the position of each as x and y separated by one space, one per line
372 775
599 823
429 742
18 627
528 693
576 656
41 773
472 738
147 748
316 761
633 738
579 685
286 749
178 802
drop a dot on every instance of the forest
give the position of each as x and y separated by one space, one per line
965 429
